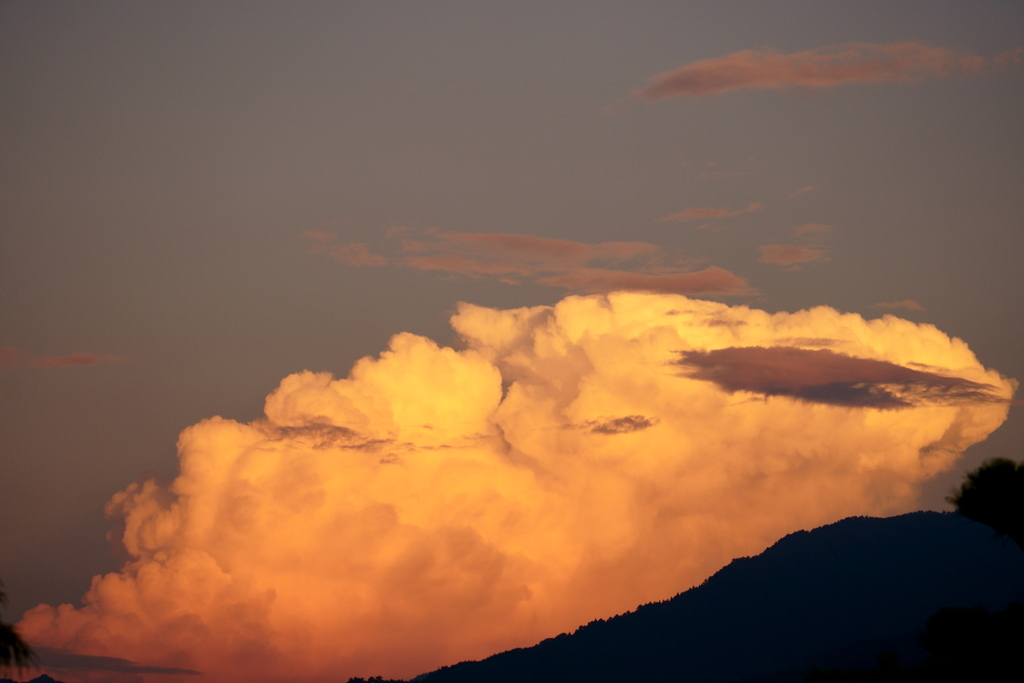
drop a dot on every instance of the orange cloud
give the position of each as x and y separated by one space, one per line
687 215
819 68
512 258
802 190
438 505
809 228
1014 56
10 355
906 304
787 254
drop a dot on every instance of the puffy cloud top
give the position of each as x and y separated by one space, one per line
571 462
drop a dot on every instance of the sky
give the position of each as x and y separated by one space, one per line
710 272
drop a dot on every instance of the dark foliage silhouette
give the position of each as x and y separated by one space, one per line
968 644
994 495
888 671
14 652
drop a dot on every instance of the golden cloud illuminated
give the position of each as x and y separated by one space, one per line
570 463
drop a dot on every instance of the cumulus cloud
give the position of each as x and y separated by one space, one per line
437 504
513 259
696 214
823 67
788 254
907 304
10 355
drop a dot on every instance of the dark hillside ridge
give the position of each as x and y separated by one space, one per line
835 596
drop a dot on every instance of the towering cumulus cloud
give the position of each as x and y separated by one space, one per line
571 462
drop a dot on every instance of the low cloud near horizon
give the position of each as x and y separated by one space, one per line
12 356
570 463
515 259
823 67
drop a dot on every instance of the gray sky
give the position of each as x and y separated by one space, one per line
161 162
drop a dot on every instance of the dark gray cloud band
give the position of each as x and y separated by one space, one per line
622 425
823 376
59 659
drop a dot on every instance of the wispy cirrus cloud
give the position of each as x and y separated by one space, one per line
696 214
906 304
803 190
10 355
518 258
789 254
823 67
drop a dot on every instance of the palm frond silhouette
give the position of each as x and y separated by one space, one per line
15 653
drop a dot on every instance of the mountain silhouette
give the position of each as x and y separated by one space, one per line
832 597
38 679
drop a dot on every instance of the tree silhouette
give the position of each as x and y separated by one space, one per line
994 495
966 644
14 652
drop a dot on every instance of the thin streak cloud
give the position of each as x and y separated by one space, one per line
516 259
696 214
823 67
74 359
11 356
788 254
811 228
906 304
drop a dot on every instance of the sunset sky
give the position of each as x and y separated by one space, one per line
625 220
